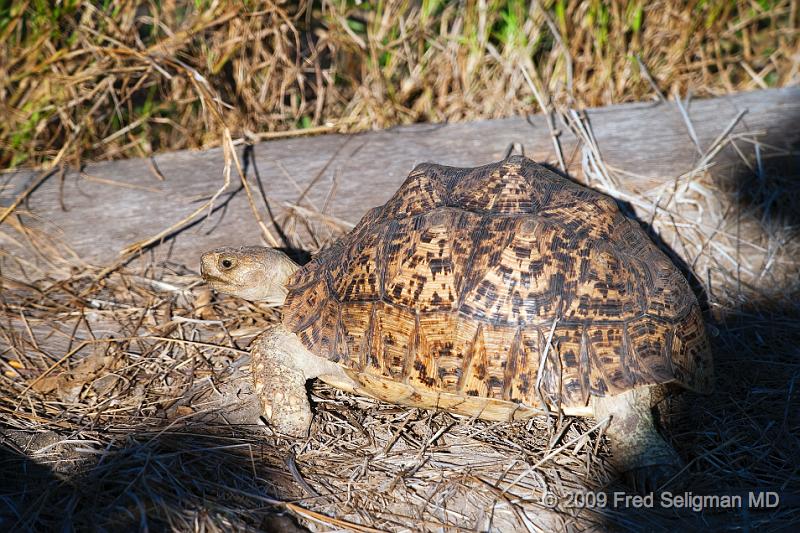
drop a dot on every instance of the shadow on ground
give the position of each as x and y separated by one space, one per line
156 482
743 438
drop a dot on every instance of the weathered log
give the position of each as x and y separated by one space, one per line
111 205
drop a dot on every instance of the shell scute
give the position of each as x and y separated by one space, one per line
355 276
494 190
515 278
669 295
445 297
426 260
606 288
422 191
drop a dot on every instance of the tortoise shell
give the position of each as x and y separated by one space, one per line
448 294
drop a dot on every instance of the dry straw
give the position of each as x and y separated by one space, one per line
88 80
118 402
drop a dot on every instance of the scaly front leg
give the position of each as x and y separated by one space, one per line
281 365
280 381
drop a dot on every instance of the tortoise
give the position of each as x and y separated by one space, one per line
499 292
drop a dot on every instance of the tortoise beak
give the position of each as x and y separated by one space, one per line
208 265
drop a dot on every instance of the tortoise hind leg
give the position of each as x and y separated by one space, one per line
639 452
281 365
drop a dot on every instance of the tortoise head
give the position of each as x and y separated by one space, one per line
255 273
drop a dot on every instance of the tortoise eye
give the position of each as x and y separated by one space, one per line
226 263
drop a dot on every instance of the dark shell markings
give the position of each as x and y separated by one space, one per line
454 284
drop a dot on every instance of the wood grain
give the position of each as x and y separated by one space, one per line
114 204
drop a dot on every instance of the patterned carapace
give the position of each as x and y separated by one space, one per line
454 286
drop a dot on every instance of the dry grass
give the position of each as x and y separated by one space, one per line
124 399
81 80
118 386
